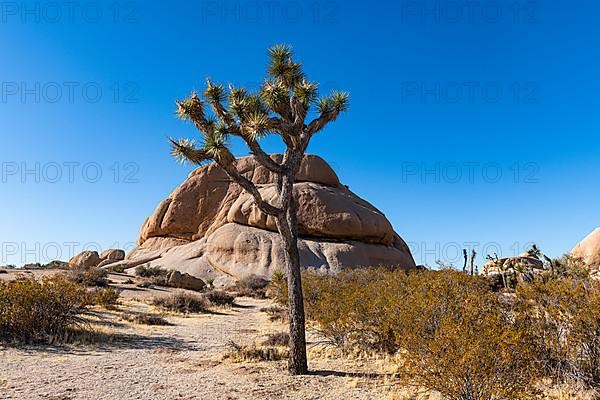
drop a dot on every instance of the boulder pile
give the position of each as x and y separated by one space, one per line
210 228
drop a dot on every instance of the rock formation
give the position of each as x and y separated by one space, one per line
88 259
85 259
510 270
210 228
589 250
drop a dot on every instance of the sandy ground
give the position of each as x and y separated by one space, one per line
185 361
181 361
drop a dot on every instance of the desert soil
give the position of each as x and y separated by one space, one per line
181 361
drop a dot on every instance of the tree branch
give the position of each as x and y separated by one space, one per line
259 154
263 158
251 188
321 122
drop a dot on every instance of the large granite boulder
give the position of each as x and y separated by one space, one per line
210 228
112 254
85 259
589 250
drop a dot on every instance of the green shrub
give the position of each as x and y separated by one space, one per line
146 271
34 311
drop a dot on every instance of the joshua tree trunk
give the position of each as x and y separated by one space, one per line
287 225
297 363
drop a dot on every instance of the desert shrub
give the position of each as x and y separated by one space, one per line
3 271
253 353
570 266
277 339
144 319
219 298
106 297
277 290
33 311
562 318
183 302
91 277
275 313
351 308
152 281
146 271
119 268
252 286
56 264
455 335
458 339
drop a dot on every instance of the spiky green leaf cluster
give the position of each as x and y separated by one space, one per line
306 92
185 150
257 125
238 99
336 102
191 108
215 143
274 94
282 68
214 93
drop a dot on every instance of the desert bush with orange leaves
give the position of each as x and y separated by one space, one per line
44 310
454 334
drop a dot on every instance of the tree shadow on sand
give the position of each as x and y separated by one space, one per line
89 342
344 374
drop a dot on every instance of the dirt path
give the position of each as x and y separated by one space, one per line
182 361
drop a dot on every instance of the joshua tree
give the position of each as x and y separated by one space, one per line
472 262
534 251
280 107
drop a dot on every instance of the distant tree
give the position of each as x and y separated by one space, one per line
280 107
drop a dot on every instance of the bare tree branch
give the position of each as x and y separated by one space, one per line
321 122
251 188
259 154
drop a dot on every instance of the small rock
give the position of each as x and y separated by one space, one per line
181 280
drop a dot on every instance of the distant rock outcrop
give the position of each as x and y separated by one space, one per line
508 271
89 259
85 259
589 250
209 227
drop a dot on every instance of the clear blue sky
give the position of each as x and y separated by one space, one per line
444 91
